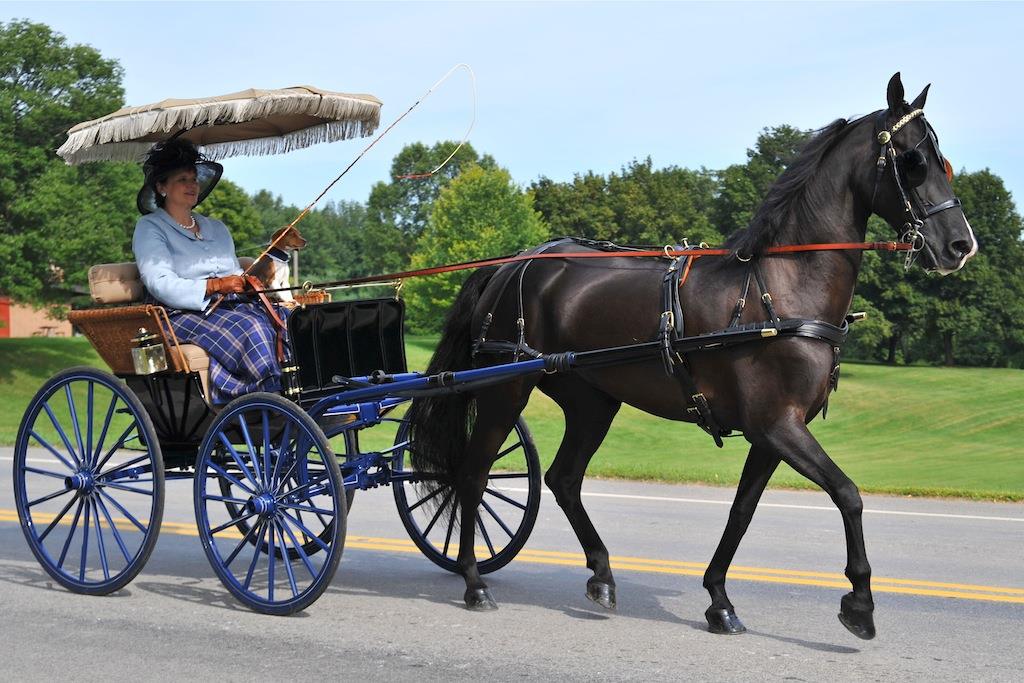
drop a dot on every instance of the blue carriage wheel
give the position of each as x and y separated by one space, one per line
504 519
88 481
284 494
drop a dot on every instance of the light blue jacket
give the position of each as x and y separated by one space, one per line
175 265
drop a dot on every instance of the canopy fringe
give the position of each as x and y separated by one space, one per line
357 118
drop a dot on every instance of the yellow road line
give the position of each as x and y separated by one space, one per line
654 566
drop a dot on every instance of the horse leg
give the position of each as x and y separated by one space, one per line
496 413
588 415
799 449
758 469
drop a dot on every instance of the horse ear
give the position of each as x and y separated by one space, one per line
918 102
894 93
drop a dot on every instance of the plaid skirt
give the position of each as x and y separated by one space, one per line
241 341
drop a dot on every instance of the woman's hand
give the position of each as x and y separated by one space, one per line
229 284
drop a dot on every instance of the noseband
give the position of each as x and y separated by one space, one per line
909 170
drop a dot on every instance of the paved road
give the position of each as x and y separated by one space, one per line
949 600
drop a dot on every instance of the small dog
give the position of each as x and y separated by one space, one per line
272 268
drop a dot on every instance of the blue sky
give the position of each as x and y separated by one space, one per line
569 87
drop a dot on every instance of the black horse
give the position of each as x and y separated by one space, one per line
887 163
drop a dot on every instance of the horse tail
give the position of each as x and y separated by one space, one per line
439 425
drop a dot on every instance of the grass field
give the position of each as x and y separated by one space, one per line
907 430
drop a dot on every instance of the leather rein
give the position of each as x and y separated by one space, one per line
619 252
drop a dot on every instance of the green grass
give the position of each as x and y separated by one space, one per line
906 430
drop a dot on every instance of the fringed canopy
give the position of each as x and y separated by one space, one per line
251 122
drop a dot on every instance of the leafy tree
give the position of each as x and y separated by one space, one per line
480 213
55 221
69 218
335 236
398 210
640 205
230 204
743 186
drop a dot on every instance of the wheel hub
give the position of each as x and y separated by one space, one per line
263 504
80 481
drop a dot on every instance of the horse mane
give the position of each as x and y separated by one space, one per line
792 195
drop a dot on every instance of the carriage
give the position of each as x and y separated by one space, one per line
273 476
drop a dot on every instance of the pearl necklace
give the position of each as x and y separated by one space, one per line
192 227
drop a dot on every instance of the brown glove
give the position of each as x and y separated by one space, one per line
229 284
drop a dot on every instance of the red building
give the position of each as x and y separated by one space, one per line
18 320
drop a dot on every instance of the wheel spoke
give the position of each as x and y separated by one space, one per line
99 541
45 473
231 523
305 487
262 526
51 496
299 550
265 420
437 514
71 535
95 455
87 453
225 499
448 534
497 519
505 498
123 511
53 450
241 544
502 454
56 520
302 527
509 475
282 454
224 473
483 532
423 500
123 465
85 543
117 444
63 436
122 487
238 460
253 453
74 421
113 529
317 511
287 563
270 563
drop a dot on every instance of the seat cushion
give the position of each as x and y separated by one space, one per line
115 283
119 283
198 361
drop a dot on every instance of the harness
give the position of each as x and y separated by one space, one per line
671 329
909 170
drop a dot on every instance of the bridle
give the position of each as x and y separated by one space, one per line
909 171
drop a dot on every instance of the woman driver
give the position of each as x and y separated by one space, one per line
185 259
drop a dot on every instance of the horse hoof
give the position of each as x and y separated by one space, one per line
479 600
857 620
601 593
724 621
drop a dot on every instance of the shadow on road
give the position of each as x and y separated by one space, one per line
391 577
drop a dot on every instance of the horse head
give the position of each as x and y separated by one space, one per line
912 189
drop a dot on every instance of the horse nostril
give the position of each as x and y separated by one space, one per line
960 247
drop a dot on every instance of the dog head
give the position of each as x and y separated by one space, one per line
292 240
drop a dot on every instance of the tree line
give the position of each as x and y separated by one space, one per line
56 220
